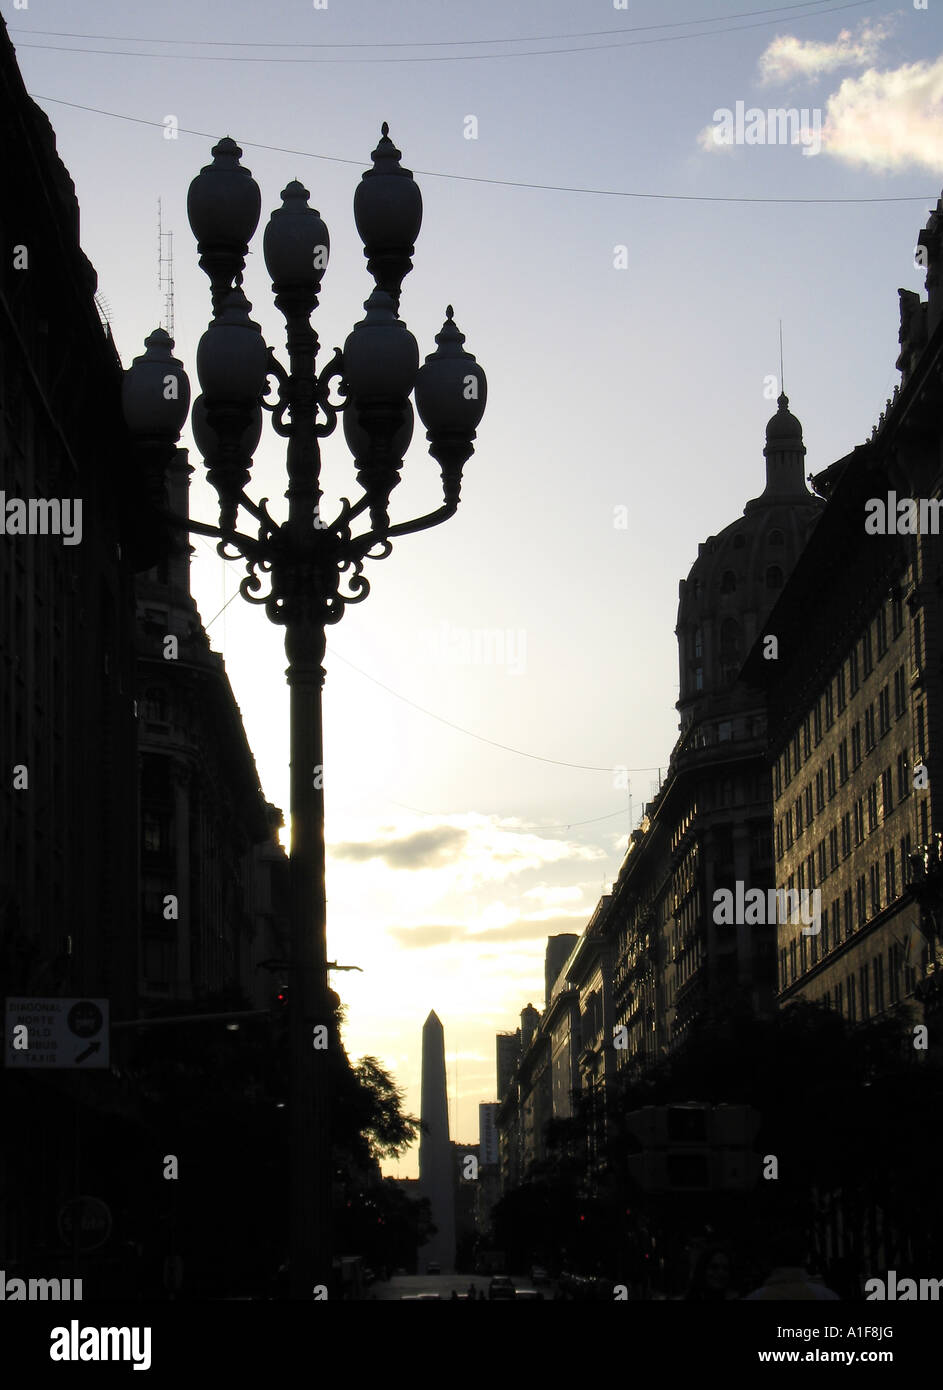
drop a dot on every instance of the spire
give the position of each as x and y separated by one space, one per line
784 454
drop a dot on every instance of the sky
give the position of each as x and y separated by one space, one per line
497 711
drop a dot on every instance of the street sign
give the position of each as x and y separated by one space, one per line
56 1033
94 1222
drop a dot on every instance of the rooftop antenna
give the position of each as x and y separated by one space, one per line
165 272
782 384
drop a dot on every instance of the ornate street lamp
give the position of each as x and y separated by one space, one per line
306 570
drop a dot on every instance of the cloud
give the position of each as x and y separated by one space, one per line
707 139
475 849
413 937
550 895
787 57
424 849
888 121
520 929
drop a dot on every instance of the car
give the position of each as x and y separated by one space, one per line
433 1267
501 1287
527 1293
539 1276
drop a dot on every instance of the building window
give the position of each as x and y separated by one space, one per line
154 705
853 681
867 658
856 744
847 911
861 891
897 612
823 863
806 738
852 1001
903 775
829 707
817 722
890 875
830 775
698 644
900 692
893 974
833 848
789 828
842 699
869 736
874 874
904 856
887 798
843 761
884 710
728 582
880 628
824 931
792 960
846 835
774 577
779 840
872 808
698 678
820 790
865 991
803 948
799 824
787 768
776 538
808 804
859 820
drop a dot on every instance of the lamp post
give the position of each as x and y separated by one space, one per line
306 570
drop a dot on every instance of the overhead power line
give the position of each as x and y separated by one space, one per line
497 183
507 748
448 43
442 57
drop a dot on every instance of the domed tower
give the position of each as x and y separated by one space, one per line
737 576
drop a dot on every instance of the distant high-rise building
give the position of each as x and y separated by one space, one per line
487 1134
508 1049
436 1164
529 1021
558 949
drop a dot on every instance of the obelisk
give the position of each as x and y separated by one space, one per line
436 1179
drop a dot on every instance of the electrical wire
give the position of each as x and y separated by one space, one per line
441 58
445 43
497 183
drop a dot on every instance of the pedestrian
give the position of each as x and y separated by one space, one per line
711 1277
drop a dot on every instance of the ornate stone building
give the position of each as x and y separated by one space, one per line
213 876
856 702
708 827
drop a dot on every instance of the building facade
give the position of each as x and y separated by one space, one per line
856 704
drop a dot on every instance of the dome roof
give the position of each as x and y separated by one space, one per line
783 427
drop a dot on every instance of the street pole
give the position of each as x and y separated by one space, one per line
313 567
